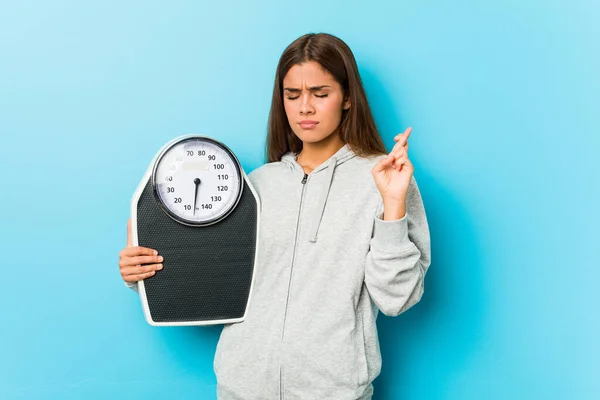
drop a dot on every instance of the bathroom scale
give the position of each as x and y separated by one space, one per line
196 206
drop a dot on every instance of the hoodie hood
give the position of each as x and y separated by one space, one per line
328 167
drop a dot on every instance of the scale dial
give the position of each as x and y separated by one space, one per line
197 180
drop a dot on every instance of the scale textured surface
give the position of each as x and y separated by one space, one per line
207 271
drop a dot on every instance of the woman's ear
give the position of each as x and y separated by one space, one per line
346 105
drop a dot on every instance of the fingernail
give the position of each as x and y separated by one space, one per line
155 252
160 258
159 266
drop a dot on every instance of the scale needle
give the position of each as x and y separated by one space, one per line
197 183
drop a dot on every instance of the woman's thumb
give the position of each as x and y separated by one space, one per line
129 243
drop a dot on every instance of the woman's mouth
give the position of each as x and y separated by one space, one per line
307 124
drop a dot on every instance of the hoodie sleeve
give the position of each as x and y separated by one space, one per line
132 286
399 256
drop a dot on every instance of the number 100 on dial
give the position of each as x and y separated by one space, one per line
197 180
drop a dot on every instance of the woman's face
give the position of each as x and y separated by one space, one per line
313 102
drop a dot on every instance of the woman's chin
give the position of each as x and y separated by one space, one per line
310 136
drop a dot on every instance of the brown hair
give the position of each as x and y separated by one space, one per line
357 127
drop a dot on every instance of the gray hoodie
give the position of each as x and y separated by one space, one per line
327 264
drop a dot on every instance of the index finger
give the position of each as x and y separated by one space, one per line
139 251
405 134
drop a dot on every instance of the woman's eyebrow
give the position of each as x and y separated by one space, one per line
312 89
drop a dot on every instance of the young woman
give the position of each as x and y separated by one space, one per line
343 235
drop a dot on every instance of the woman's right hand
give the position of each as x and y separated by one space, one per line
137 263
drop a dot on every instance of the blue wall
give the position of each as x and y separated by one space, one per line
504 102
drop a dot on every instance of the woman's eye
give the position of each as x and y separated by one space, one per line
316 95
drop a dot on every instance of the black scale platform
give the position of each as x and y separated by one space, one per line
207 271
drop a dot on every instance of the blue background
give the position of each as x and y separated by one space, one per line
503 98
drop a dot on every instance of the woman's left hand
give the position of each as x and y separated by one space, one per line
393 173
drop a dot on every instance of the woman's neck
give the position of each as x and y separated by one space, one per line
314 154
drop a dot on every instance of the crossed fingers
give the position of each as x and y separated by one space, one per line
399 152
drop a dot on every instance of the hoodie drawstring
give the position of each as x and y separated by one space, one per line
316 219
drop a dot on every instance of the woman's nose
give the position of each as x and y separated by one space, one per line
306 106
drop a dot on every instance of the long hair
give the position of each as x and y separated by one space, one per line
357 127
